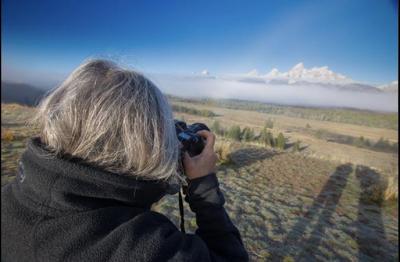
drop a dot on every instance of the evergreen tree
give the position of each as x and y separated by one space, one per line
216 128
266 137
247 134
359 141
280 141
235 133
296 146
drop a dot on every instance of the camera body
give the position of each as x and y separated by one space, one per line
191 142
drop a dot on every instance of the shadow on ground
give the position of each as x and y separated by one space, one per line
370 229
247 156
318 216
291 145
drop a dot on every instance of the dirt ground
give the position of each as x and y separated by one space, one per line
290 207
291 127
305 206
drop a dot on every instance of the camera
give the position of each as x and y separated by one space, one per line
191 142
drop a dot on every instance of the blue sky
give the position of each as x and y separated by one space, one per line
355 38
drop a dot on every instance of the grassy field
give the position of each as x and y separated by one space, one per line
294 129
337 115
323 203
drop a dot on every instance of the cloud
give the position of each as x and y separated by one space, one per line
306 95
40 79
391 87
246 87
205 72
300 73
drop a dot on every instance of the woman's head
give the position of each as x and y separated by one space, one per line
113 118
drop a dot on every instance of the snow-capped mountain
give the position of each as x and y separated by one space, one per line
299 75
392 87
315 76
253 73
205 72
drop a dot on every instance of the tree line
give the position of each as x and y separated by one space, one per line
381 145
193 111
247 134
339 115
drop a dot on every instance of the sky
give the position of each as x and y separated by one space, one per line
48 39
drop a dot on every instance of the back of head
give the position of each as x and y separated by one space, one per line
113 118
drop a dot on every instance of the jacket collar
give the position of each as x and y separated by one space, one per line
66 184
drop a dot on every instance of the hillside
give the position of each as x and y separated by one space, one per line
20 93
337 115
288 206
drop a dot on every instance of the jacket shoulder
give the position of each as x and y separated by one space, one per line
117 234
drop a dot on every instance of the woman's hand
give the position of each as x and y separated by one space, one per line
204 163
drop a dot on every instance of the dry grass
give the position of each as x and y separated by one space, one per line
224 150
256 119
13 106
318 148
7 135
376 187
391 192
288 206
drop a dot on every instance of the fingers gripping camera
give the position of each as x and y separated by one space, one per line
190 140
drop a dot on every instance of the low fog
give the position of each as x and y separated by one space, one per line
201 86
321 96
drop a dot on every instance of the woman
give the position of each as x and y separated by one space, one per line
107 151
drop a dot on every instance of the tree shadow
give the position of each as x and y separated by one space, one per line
290 145
247 156
320 211
303 148
371 237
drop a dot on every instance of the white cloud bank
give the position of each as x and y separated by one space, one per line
299 94
317 86
391 87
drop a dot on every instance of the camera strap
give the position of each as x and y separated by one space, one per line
181 212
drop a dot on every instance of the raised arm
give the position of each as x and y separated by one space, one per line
206 200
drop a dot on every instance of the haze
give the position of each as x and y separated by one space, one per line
199 87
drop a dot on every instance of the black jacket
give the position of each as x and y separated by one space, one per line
63 210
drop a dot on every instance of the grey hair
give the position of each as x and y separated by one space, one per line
113 118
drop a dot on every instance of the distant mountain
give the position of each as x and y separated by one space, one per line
316 74
392 87
21 94
299 75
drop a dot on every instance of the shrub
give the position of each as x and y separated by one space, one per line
235 133
359 141
247 134
266 138
382 143
280 141
207 113
392 189
223 150
216 128
296 146
375 187
7 135
319 134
